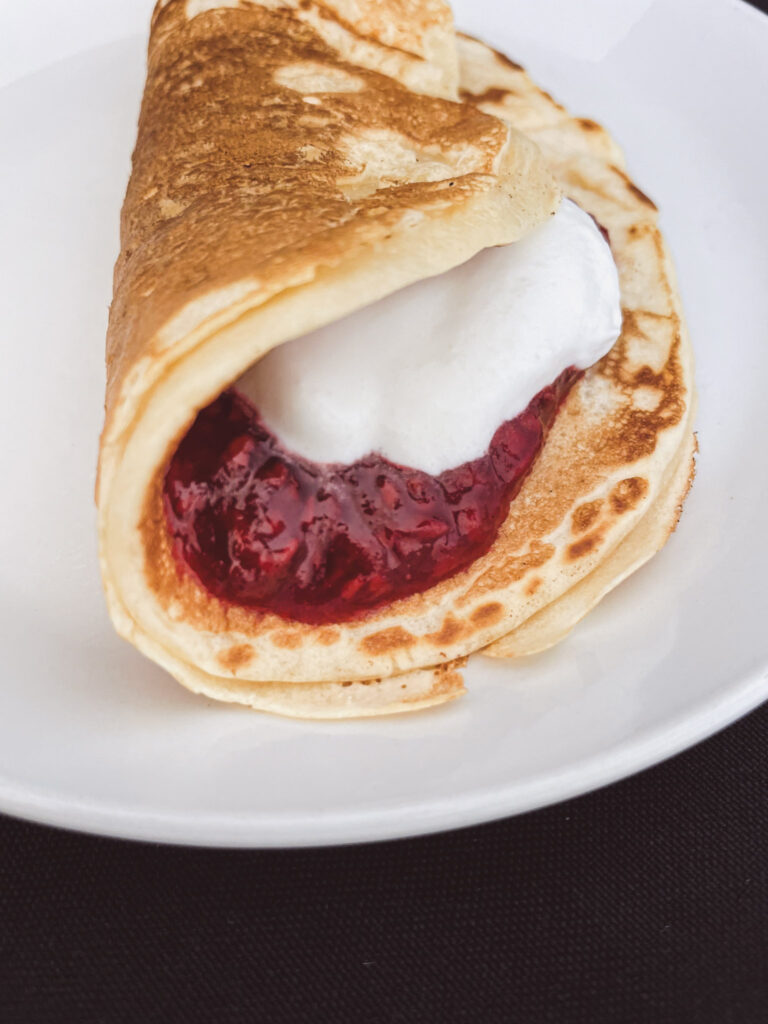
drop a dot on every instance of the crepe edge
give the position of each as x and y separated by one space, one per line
557 620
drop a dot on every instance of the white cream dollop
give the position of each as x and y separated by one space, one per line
427 375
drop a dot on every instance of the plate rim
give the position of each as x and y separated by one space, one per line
427 816
588 775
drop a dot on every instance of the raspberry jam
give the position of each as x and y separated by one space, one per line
261 527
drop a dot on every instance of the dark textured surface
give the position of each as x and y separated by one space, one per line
644 902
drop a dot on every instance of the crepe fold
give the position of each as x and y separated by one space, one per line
293 164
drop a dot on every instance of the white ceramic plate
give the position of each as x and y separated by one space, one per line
95 737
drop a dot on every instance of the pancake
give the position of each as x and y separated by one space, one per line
234 242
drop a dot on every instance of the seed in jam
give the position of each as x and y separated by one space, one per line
262 527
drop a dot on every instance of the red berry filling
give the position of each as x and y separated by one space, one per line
261 527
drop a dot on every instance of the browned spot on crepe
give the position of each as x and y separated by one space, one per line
533 585
450 631
233 658
584 546
585 515
627 493
289 640
387 640
487 614
490 95
510 570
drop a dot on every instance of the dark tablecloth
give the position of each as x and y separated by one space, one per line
644 902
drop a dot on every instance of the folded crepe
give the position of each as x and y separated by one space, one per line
294 164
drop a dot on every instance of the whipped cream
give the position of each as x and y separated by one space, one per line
427 375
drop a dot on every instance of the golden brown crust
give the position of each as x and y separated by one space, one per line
553 623
241 182
605 459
